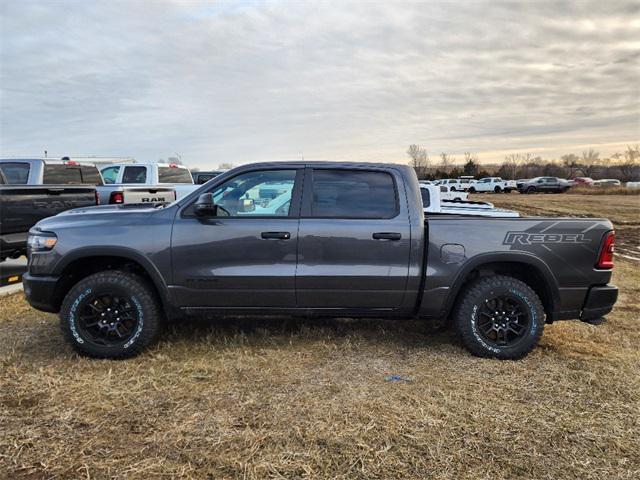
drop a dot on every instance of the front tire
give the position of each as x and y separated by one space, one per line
497 190
472 190
111 314
499 317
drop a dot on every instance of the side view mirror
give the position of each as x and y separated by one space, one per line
247 205
205 207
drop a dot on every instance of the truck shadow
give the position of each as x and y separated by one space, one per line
283 330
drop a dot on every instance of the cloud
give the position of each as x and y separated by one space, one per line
248 81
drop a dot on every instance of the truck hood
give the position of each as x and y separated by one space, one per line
111 216
101 209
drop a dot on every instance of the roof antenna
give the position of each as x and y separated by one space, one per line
302 155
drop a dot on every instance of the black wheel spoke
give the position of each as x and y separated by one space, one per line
107 320
503 320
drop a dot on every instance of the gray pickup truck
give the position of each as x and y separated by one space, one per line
327 239
31 190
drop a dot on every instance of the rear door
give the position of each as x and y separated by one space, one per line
354 239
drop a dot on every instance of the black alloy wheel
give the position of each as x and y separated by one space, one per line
107 320
503 320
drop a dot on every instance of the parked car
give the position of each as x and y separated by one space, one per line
544 185
493 184
448 192
200 178
461 184
434 203
33 189
580 181
466 181
145 183
352 240
607 182
633 185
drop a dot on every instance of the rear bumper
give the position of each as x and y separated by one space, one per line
40 292
600 301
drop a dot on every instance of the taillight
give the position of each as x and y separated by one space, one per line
605 259
116 197
97 197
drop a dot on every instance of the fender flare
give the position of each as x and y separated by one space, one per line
551 283
122 252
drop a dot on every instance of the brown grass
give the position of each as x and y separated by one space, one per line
586 190
278 398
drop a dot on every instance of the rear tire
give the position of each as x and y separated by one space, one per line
499 317
111 314
472 190
497 190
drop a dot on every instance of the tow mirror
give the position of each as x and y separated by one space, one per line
205 207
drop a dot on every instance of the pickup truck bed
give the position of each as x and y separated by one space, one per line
316 238
22 206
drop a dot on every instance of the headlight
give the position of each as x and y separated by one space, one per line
41 242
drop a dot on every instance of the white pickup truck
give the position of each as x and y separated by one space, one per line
145 183
434 204
493 185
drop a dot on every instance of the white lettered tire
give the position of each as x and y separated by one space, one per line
111 314
499 316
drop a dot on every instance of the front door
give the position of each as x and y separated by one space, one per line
354 241
246 256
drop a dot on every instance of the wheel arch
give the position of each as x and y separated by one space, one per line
524 267
81 263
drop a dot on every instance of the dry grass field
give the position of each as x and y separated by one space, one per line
255 398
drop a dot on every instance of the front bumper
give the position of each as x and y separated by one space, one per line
40 292
600 301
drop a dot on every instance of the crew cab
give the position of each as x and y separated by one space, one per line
33 189
315 238
145 183
493 184
544 185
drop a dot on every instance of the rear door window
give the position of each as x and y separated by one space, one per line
15 173
426 199
135 174
174 175
353 194
60 174
90 175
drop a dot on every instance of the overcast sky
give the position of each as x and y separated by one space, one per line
239 82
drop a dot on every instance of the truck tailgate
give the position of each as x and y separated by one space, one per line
149 195
23 206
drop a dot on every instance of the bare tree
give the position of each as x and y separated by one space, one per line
589 162
630 168
468 156
446 161
419 159
632 153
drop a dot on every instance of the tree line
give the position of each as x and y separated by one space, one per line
623 166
